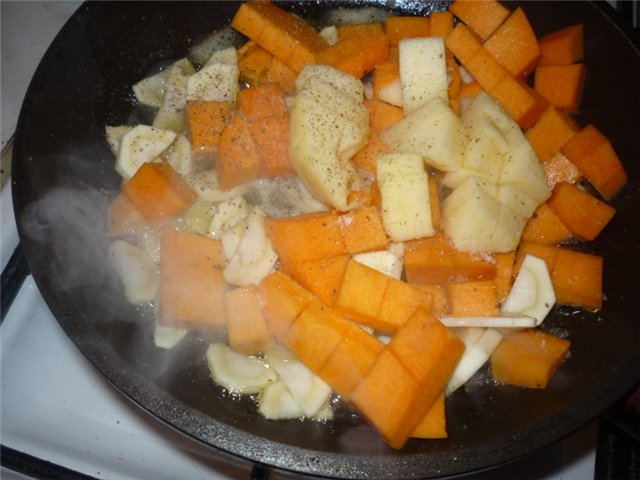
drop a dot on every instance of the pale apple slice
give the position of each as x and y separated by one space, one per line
383 261
498 321
168 337
423 71
404 193
532 292
433 131
238 373
308 390
473 359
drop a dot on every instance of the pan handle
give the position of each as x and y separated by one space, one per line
13 276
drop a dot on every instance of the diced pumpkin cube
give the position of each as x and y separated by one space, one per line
528 358
282 301
315 335
474 298
351 360
192 286
545 227
321 277
361 293
247 331
306 237
159 192
434 423
583 214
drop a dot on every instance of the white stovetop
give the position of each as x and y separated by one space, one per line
57 407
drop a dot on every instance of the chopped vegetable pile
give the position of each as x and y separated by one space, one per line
370 212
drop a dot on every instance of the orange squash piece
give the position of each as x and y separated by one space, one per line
434 260
386 71
553 129
362 230
438 295
514 45
583 214
284 35
485 69
562 47
504 273
407 377
351 360
238 158
253 62
482 16
463 43
388 397
361 293
561 85
247 331
400 301
434 423
159 192
306 237
205 122
474 298
267 116
192 287
282 300
523 103
595 157
315 335
577 279
321 277
358 52
382 114
400 27
545 227
558 168
441 23
528 358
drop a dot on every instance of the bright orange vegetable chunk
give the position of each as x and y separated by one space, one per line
528 358
159 192
483 16
583 214
286 36
561 85
192 286
514 45
595 157
247 331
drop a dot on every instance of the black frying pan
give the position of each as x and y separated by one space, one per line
63 178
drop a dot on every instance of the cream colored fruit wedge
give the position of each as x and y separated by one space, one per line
433 131
383 261
217 80
404 193
327 127
532 291
473 359
238 373
308 390
140 145
392 93
476 220
423 71
345 83
137 272
168 337
170 115
522 170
